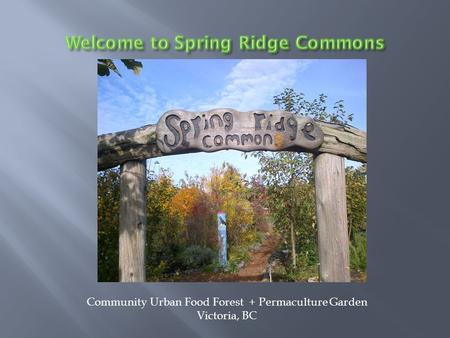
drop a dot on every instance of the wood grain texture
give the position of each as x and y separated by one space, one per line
181 131
331 217
141 143
134 144
345 141
132 221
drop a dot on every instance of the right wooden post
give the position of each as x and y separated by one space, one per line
331 217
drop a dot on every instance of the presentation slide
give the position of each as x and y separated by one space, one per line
223 169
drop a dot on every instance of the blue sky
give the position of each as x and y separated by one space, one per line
131 101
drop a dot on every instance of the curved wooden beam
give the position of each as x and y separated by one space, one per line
141 143
345 141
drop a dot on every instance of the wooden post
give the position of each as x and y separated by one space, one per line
331 215
132 229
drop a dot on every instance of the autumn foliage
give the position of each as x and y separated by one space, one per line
181 219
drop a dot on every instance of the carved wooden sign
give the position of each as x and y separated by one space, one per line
179 131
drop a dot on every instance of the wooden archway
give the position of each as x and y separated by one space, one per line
179 131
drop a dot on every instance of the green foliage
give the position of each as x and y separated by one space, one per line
237 257
306 268
181 221
356 180
108 205
289 180
358 252
229 193
195 256
292 101
240 254
164 230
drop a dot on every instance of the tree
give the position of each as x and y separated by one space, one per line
356 181
104 66
284 173
164 231
229 193
108 205
289 176
292 101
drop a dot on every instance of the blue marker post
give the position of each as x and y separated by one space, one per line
222 231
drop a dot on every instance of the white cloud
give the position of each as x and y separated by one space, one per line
252 84
147 104
124 107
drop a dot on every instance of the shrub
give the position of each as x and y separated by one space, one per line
196 256
237 257
358 249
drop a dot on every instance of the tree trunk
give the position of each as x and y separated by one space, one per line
132 229
292 208
294 253
331 214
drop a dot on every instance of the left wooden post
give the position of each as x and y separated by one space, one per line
133 222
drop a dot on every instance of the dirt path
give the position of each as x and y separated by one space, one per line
253 271
255 268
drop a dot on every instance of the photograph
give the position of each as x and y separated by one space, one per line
232 170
